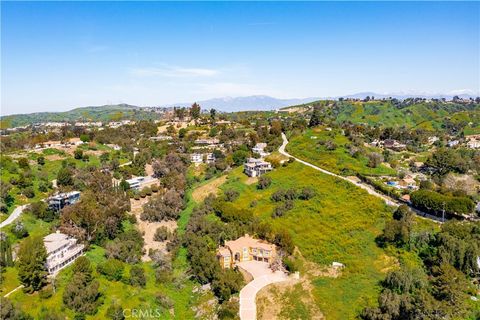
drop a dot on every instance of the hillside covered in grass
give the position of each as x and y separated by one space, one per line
428 115
340 223
100 113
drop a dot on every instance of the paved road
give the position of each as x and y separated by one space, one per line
13 216
262 277
389 201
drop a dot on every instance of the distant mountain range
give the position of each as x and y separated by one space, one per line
248 103
261 102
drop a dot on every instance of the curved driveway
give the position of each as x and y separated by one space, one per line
13 216
389 201
262 276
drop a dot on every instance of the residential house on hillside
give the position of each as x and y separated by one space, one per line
245 248
256 167
473 141
61 200
453 143
161 138
198 158
207 141
260 149
138 183
394 145
62 250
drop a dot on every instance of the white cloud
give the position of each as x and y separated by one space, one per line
173 72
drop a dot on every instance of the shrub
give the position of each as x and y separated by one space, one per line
78 154
137 276
155 188
162 234
41 160
264 182
115 312
28 192
279 211
228 310
46 292
231 195
19 230
112 269
290 265
164 301
278 195
306 193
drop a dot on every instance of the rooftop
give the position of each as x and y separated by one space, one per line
55 241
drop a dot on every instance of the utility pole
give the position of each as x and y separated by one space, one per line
443 212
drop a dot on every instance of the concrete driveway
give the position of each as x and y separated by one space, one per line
262 276
13 216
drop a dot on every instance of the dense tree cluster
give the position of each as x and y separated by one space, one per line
164 206
435 203
441 286
126 247
99 212
82 292
32 258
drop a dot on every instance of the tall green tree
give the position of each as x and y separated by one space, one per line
316 118
32 257
213 114
195 111
82 294
65 177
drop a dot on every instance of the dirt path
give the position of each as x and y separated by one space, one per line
212 187
148 228
389 201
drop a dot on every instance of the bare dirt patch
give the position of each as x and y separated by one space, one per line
54 157
212 187
251 180
149 169
148 228
276 300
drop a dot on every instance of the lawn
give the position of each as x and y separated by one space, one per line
339 224
308 147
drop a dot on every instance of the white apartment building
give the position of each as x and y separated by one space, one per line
62 250
198 158
256 167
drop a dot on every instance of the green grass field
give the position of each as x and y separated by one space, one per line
339 160
339 224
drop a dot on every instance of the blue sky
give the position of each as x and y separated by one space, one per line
61 55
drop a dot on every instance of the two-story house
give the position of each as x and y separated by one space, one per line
62 250
256 167
58 202
243 249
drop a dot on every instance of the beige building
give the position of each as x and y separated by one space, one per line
245 248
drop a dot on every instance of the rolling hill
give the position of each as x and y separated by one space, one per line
99 113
